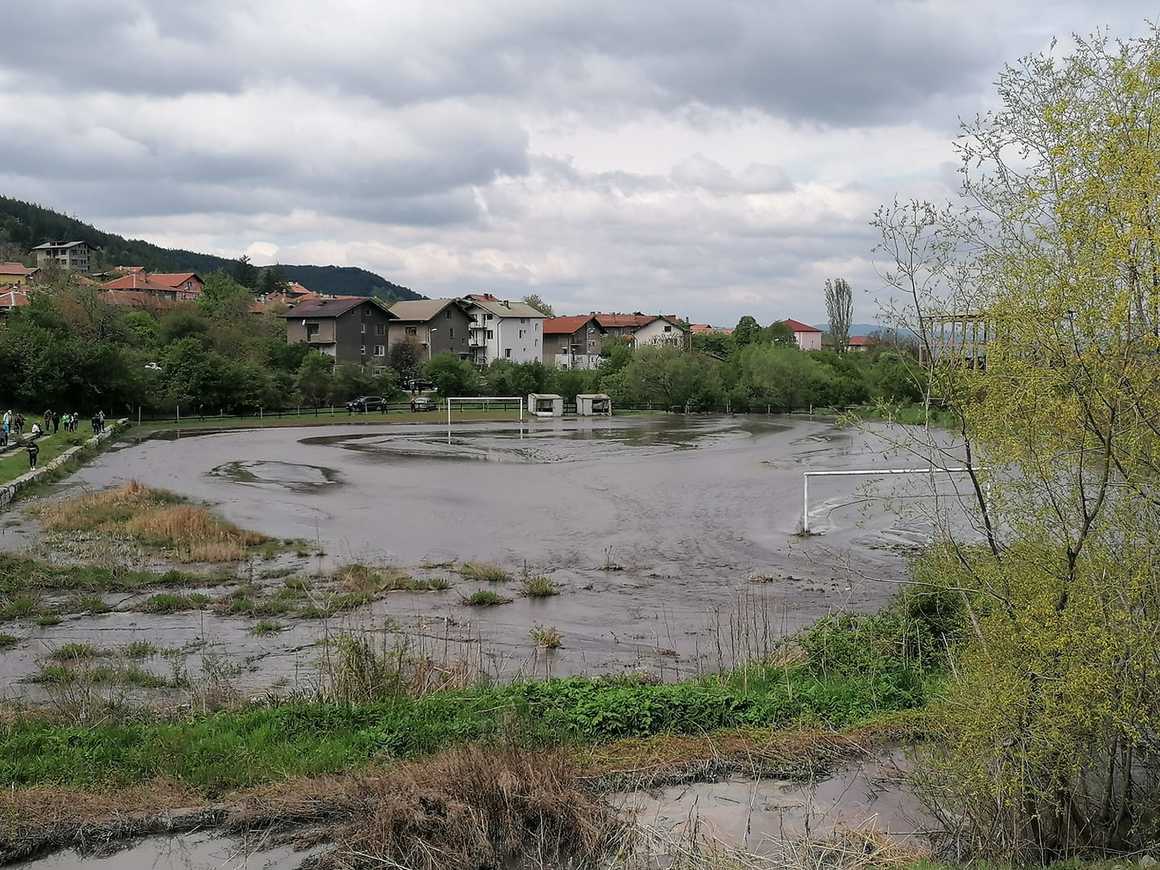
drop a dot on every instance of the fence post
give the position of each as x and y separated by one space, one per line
805 503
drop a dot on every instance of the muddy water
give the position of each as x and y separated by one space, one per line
698 514
199 851
759 816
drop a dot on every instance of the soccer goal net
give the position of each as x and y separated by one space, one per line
485 405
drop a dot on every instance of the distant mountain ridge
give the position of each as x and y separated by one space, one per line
27 225
855 328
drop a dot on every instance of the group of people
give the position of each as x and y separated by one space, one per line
12 429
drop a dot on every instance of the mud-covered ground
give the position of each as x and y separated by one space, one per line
697 518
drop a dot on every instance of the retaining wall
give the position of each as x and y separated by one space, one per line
9 491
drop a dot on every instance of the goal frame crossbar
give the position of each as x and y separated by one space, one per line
519 400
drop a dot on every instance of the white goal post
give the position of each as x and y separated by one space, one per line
517 399
870 472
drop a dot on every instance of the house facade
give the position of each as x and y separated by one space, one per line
807 337
504 330
73 256
573 342
16 274
435 325
350 331
187 284
171 287
662 331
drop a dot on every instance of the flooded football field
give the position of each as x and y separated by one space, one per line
673 541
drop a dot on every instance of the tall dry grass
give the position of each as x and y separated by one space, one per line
153 517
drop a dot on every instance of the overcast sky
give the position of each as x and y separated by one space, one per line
709 158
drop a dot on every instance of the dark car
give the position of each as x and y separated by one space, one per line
422 403
367 403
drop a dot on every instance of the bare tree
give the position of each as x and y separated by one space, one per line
839 309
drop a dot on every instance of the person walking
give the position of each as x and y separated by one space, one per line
55 422
33 452
19 423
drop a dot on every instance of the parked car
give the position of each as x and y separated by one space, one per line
422 403
367 403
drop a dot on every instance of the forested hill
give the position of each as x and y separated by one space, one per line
27 225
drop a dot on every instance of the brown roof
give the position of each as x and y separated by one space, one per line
15 269
704 328
296 289
333 307
173 279
567 325
634 321
420 310
138 281
858 341
798 326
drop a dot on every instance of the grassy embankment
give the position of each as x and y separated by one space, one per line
14 462
845 672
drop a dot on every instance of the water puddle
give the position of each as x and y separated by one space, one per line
293 476
198 851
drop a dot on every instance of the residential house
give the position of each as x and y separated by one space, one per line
187 284
621 325
73 256
348 330
145 300
573 342
172 287
435 325
858 344
504 330
16 274
807 337
662 330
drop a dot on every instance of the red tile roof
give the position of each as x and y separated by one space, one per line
705 328
173 279
798 326
138 281
10 299
15 269
565 325
858 341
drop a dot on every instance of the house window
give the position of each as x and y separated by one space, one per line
523 320
447 314
380 350
412 330
364 328
668 329
363 350
489 317
311 331
451 332
508 353
380 329
490 335
521 333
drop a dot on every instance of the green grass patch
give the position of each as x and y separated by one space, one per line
174 602
77 651
485 598
539 587
483 572
141 649
100 675
267 627
20 574
7 641
15 463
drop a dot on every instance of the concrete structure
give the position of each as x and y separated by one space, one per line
504 330
622 325
352 331
73 256
593 405
807 337
434 325
545 405
573 342
16 274
662 331
961 337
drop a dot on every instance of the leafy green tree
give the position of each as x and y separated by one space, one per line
452 376
245 272
780 333
314 379
225 297
839 311
405 359
747 331
272 282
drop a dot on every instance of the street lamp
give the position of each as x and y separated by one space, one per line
430 341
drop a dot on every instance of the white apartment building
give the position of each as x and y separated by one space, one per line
503 330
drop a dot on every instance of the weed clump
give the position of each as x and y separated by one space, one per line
141 649
539 587
7 641
174 602
546 636
267 627
485 573
77 651
485 598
